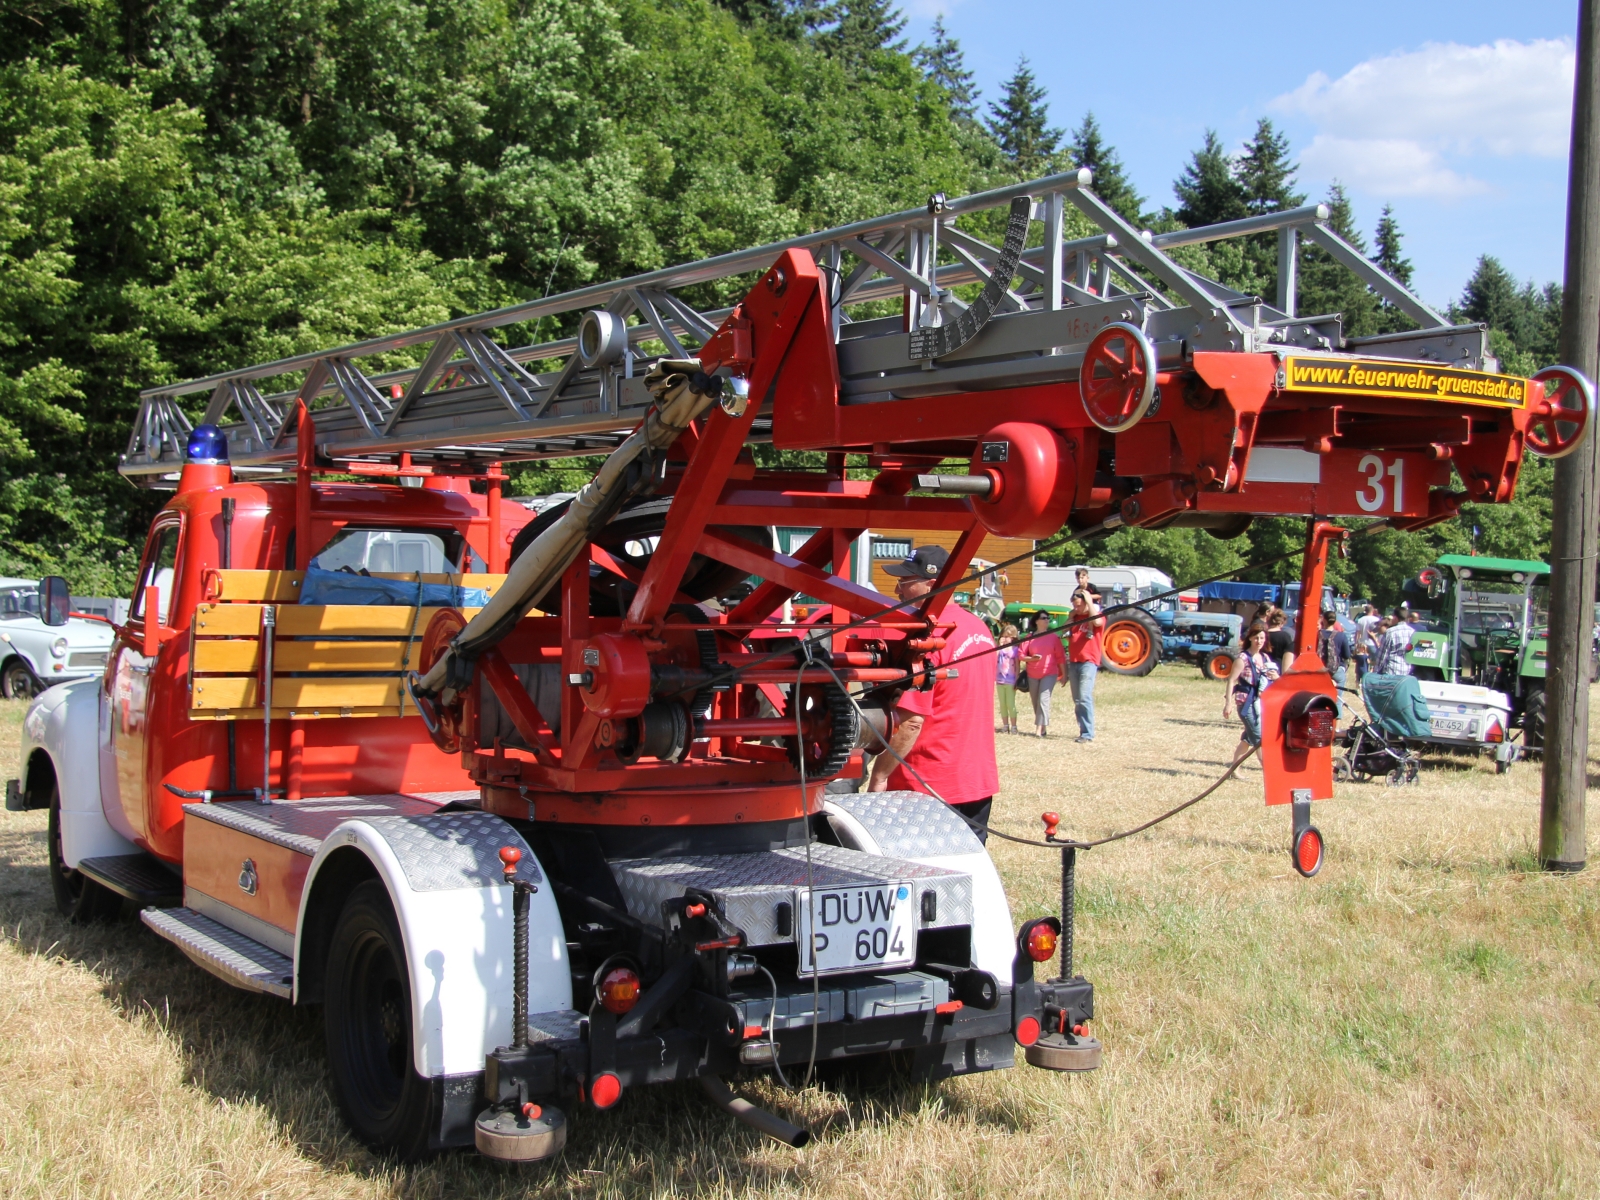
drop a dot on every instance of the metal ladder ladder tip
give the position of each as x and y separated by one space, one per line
226 953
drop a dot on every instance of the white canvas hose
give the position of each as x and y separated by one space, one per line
673 382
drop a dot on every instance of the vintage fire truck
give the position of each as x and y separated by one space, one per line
537 810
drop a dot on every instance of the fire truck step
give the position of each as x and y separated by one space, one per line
227 954
139 877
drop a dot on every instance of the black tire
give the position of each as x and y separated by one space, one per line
17 681
1533 713
1217 664
78 898
1132 642
705 578
1428 674
367 1027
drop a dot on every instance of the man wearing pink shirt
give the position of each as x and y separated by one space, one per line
946 735
1046 659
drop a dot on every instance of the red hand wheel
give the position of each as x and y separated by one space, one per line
1118 378
1559 418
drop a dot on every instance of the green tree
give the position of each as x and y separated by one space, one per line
945 66
1020 124
1327 286
862 29
1207 190
1265 173
1088 148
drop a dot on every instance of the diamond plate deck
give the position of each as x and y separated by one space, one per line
454 850
910 823
302 825
749 887
229 956
139 877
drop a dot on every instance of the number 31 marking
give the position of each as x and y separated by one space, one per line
1371 497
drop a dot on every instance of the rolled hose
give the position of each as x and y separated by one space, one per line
757 1118
682 394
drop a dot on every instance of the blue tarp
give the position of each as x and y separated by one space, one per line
1260 593
1397 704
344 587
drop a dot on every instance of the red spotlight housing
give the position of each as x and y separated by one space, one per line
1038 938
619 990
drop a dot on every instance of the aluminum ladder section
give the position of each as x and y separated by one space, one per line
472 401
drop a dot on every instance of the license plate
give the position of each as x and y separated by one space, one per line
861 928
1451 726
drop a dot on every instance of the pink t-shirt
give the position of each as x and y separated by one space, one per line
1052 654
954 752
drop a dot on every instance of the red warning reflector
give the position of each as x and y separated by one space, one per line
1027 1032
1307 851
604 1090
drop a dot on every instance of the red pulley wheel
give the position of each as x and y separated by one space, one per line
1117 381
1559 412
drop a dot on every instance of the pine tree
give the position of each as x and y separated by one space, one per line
862 28
1387 239
1265 174
1088 148
944 64
1019 123
1327 286
1207 190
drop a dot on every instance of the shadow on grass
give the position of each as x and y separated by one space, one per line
246 1049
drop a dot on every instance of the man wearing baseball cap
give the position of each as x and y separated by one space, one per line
945 735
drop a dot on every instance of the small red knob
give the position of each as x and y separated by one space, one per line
1051 820
694 910
511 856
532 1111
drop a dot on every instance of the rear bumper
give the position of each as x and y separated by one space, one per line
708 1037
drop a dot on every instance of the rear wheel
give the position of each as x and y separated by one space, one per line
1132 643
367 1025
78 898
17 681
1217 665
1533 714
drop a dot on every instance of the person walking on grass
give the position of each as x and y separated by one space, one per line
1045 660
1005 677
1366 640
1394 643
1085 650
1253 670
1333 648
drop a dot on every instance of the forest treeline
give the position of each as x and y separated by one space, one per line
199 184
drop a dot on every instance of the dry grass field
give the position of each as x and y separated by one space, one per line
1422 1019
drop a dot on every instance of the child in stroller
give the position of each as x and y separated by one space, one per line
1376 746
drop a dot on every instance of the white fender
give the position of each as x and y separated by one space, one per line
63 723
922 829
457 927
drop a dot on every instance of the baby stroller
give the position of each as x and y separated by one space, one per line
1377 746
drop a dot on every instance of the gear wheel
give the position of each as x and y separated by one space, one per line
831 725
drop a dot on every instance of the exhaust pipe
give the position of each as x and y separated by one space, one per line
757 1118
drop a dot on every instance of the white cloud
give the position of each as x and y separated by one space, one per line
1388 124
1388 167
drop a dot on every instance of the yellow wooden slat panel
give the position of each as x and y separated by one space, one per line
235 656
283 587
242 691
284 714
311 620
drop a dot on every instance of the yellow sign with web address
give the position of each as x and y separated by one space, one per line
1403 381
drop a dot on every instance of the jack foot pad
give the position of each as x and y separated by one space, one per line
1065 1052
536 1133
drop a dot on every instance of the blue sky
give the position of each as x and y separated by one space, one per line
1457 114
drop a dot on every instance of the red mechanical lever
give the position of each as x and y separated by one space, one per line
511 856
1051 820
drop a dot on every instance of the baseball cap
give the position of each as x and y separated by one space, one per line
922 563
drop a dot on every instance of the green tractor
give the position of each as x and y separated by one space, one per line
1486 621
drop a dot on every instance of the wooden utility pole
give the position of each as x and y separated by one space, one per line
1575 532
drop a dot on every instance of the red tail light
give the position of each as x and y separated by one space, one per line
1494 733
1309 721
1041 942
619 990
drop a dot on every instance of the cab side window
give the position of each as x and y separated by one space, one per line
158 573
